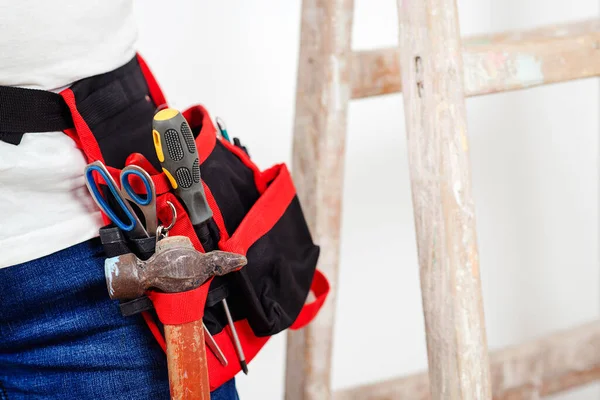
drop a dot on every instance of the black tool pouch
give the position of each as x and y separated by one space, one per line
256 213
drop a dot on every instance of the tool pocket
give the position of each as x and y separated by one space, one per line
258 215
272 288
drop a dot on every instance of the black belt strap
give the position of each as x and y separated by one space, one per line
31 110
99 98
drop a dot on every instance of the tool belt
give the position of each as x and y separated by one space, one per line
256 213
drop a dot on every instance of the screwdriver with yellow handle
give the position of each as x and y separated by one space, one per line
176 150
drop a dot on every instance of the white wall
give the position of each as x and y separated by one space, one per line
535 175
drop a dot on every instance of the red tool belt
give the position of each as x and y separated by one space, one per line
256 213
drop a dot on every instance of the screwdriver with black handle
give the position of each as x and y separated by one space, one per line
176 150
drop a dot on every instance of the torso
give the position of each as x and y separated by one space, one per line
44 204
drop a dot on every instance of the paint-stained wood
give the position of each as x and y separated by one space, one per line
186 361
434 106
528 371
497 62
323 92
375 72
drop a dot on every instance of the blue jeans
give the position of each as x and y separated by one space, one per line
61 337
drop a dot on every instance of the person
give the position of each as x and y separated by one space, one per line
61 337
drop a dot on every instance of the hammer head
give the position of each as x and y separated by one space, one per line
175 267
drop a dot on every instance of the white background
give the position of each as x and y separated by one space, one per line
535 175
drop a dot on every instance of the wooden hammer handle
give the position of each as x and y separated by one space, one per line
186 359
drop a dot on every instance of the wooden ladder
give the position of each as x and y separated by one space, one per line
435 71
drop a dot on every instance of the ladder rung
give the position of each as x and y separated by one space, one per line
497 62
541 367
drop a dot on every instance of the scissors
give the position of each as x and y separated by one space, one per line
123 197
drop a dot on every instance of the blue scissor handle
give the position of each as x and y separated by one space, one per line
101 201
143 201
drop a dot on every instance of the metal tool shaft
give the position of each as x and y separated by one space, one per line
214 347
236 339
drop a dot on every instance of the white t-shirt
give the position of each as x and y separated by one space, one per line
44 203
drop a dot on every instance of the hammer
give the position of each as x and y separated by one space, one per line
175 267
